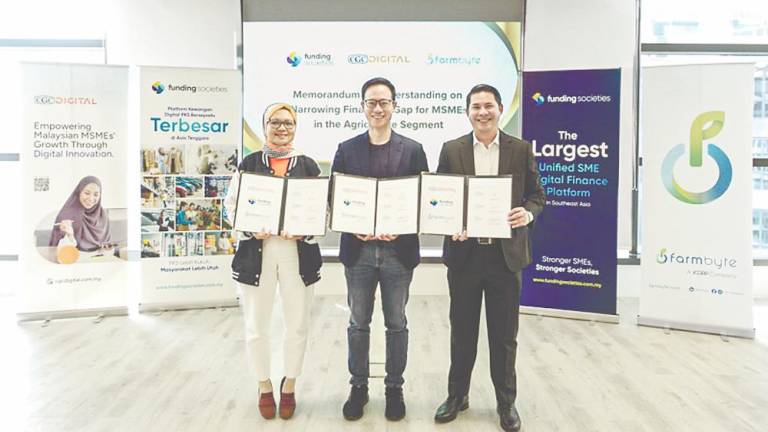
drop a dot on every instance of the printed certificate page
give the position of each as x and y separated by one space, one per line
259 202
489 200
306 205
442 204
397 206
353 206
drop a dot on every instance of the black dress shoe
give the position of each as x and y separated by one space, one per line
508 417
353 407
450 408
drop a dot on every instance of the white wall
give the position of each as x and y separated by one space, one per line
191 33
594 34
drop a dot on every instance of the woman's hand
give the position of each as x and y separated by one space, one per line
365 238
285 236
66 227
262 235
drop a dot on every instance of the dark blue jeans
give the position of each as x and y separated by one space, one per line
377 264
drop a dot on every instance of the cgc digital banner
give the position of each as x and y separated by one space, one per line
190 123
320 67
572 120
73 162
697 198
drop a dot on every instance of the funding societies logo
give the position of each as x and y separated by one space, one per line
705 126
293 59
158 87
538 99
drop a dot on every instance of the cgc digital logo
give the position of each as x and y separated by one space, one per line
357 59
158 87
293 59
63 100
360 59
538 99
706 125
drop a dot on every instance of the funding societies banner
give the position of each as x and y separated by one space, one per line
572 120
190 139
697 198
73 187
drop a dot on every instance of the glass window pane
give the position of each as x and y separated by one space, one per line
10 82
760 102
704 21
760 212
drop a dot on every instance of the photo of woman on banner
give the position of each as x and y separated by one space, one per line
264 261
82 221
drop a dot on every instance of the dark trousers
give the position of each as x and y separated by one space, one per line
484 273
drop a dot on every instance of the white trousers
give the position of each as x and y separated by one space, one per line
280 267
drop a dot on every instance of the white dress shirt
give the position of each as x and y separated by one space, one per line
486 158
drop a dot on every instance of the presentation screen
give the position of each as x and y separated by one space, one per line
319 68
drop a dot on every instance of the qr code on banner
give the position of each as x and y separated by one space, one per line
42 184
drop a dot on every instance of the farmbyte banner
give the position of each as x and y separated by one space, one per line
572 120
696 203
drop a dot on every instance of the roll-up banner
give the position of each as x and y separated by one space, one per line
190 132
74 253
697 198
572 120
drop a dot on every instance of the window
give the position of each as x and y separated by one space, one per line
704 21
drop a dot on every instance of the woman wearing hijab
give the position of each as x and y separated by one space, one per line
264 261
82 218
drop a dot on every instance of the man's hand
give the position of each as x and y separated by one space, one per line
366 237
386 237
462 236
518 217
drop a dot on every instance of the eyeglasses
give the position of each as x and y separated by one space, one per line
275 124
383 103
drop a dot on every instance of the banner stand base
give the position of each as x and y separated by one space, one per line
78 313
697 328
576 315
162 307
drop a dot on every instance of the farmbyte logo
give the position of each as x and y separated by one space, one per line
293 59
538 99
699 133
720 263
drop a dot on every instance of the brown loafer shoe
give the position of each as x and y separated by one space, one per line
287 403
267 405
